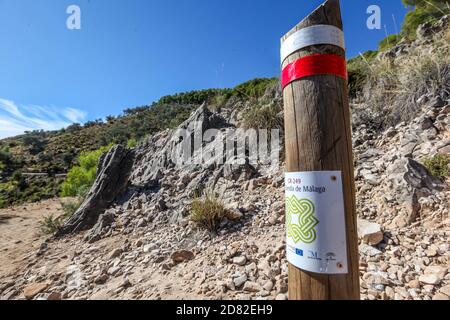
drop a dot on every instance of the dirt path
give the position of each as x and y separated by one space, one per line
20 235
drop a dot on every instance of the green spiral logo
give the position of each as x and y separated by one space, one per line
303 211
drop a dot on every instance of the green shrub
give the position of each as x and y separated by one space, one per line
49 225
424 11
5 156
438 165
132 143
255 88
207 212
196 97
35 141
81 177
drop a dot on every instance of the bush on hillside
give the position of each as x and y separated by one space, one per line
255 88
51 224
438 165
197 97
35 143
5 158
424 11
17 190
81 177
132 143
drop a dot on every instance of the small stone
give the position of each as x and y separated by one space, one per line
148 247
166 267
141 223
34 289
428 288
445 290
282 286
182 256
273 219
369 250
101 279
390 292
125 284
239 281
139 243
54 296
426 123
372 179
403 292
115 253
114 270
252 287
240 261
414 284
439 271
268 286
379 287
430 279
445 110
233 214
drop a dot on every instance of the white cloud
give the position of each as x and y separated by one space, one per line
74 115
16 119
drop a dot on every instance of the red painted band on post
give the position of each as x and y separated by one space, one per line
317 64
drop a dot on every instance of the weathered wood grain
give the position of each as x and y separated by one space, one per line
318 138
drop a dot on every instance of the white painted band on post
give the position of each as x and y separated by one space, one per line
310 36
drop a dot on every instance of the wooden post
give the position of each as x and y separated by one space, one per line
318 138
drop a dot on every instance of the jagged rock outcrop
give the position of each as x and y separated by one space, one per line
159 178
171 169
112 179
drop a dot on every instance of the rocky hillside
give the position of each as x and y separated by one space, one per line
134 237
33 165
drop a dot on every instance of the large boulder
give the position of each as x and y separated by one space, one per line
370 232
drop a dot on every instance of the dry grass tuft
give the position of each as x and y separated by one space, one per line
207 211
394 85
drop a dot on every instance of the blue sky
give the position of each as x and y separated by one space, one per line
131 52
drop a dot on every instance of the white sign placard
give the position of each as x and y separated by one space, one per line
315 222
314 35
